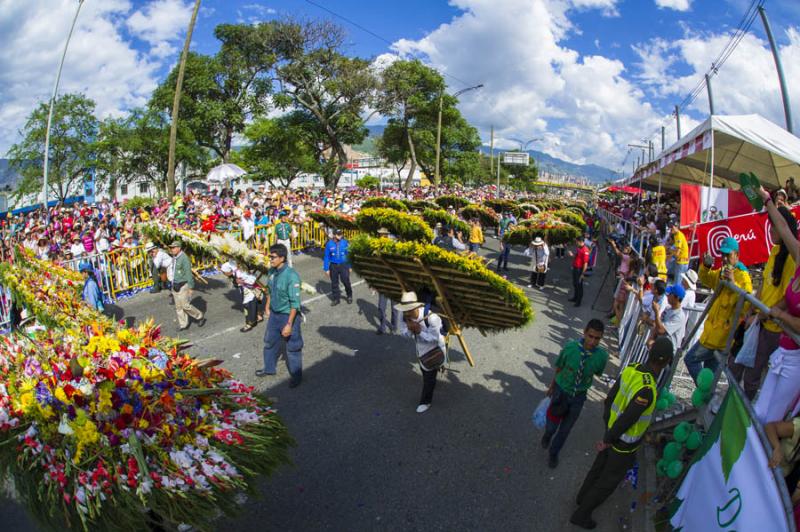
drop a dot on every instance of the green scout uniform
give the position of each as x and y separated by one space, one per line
284 289
283 231
183 270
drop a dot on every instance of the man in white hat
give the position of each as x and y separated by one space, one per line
540 258
426 329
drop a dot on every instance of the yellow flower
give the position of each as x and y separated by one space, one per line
102 344
143 424
60 395
86 434
25 402
104 404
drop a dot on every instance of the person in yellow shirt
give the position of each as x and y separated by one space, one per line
777 275
475 235
658 256
680 251
719 321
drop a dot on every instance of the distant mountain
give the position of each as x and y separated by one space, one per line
548 163
8 177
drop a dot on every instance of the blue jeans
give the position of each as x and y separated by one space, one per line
502 260
561 430
473 248
294 345
677 271
698 357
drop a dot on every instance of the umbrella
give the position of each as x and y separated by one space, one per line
224 173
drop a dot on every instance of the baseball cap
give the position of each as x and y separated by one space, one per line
676 290
729 245
662 350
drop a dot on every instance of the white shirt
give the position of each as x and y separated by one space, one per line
164 260
540 255
688 299
77 249
430 335
246 281
647 304
248 228
460 246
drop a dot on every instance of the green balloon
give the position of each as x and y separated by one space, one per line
694 440
674 469
698 398
682 432
661 467
672 451
662 403
671 398
705 379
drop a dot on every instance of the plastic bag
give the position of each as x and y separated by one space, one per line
747 354
540 414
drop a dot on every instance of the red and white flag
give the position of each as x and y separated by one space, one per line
698 205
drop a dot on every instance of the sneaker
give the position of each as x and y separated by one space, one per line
263 373
379 332
335 302
201 321
552 463
349 300
530 286
422 409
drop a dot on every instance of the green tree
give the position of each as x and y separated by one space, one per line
136 148
314 75
72 138
368 181
280 149
221 92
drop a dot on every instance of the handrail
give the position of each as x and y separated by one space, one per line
750 298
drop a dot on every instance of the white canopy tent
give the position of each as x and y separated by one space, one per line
728 146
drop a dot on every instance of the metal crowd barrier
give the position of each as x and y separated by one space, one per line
124 270
633 233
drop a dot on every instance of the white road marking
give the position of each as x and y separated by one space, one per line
321 296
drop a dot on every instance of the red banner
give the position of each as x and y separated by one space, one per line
751 231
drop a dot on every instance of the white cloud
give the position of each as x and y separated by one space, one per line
159 23
100 62
584 107
677 5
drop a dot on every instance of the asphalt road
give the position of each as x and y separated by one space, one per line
365 460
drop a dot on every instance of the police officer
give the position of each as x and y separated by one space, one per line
283 308
628 411
283 235
336 266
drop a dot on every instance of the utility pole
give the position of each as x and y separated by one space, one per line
436 177
176 105
498 177
787 110
710 95
46 163
491 153
662 137
678 120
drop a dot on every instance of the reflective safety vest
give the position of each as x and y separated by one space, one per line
631 382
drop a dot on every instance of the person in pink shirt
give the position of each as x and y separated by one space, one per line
88 241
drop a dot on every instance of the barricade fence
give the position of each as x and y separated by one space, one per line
126 270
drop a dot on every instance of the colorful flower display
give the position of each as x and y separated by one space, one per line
544 225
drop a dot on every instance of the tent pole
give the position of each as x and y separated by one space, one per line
711 174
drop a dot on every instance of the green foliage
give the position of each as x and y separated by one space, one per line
421 205
280 149
74 127
553 231
403 226
434 216
383 202
570 218
529 207
139 202
368 182
363 250
456 202
487 217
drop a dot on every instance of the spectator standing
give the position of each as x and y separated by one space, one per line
680 251
540 259
577 363
91 293
283 235
580 262
670 322
778 275
248 227
426 329
719 320
628 412
336 266
182 286
475 235
283 308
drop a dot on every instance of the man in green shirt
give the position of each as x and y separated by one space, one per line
577 364
182 285
283 235
283 309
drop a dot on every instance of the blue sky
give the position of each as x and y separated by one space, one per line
587 76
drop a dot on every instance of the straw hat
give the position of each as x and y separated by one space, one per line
538 241
408 301
690 278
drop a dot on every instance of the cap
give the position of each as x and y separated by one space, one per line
176 244
338 232
676 290
661 350
729 245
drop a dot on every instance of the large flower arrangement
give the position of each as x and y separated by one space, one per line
334 219
529 207
421 205
457 202
384 202
228 247
432 217
403 226
487 217
503 205
571 218
107 431
193 244
544 225
515 309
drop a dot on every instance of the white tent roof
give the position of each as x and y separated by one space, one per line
745 143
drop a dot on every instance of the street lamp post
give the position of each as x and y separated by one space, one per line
50 113
437 177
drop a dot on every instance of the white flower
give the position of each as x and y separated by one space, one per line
63 427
